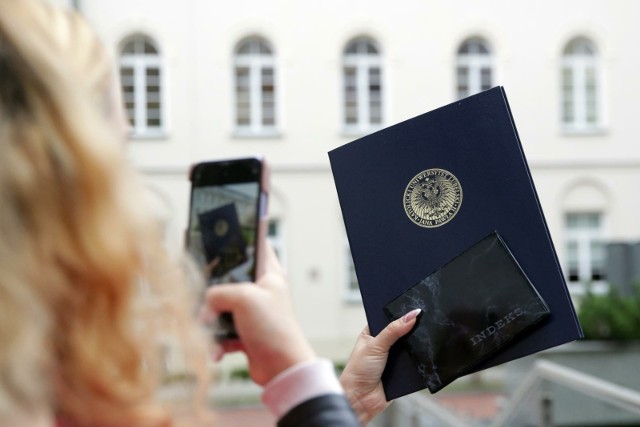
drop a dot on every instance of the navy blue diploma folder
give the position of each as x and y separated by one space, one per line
416 195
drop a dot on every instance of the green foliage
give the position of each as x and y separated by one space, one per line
240 374
611 316
339 367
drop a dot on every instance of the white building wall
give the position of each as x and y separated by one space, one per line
418 41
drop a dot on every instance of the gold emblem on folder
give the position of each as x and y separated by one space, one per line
432 198
221 227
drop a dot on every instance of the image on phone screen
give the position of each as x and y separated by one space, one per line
223 222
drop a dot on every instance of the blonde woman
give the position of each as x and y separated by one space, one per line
83 278
86 289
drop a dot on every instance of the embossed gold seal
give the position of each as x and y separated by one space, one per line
221 228
432 198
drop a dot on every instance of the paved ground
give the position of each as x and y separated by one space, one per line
475 406
245 417
237 404
471 407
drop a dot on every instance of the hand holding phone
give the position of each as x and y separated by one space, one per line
227 223
272 338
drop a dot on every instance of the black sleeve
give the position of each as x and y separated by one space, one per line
329 410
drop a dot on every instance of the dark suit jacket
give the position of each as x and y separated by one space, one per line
331 410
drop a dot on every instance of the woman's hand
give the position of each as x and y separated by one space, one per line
361 378
269 332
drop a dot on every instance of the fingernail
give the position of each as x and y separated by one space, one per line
411 315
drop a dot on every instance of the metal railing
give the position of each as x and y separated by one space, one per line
543 370
532 401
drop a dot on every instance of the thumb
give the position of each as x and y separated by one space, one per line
396 329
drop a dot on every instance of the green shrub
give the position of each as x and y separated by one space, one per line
611 316
240 374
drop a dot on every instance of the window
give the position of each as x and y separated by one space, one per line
580 86
255 88
275 238
352 288
586 252
474 69
362 79
142 76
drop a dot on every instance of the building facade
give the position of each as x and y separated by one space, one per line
294 79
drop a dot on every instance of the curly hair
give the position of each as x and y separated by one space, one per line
86 287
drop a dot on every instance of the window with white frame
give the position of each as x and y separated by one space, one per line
274 237
362 79
255 88
580 92
474 67
585 252
352 288
142 76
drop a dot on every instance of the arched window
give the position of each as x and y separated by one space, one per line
362 77
580 94
474 67
142 77
255 87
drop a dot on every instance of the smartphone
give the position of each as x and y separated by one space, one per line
227 224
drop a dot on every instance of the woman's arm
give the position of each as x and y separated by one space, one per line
300 389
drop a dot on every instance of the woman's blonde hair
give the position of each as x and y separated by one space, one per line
86 288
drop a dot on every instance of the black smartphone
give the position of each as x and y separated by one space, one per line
227 223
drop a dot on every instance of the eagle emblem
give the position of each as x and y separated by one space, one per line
432 198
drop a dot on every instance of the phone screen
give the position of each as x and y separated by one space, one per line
223 222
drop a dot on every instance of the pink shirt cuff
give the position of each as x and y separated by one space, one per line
300 383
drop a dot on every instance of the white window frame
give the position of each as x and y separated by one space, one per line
579 64
255 61
276 239
583 237
474 62
140 62
351 292
363 62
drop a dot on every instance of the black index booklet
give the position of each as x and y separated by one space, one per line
416 195
472 306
